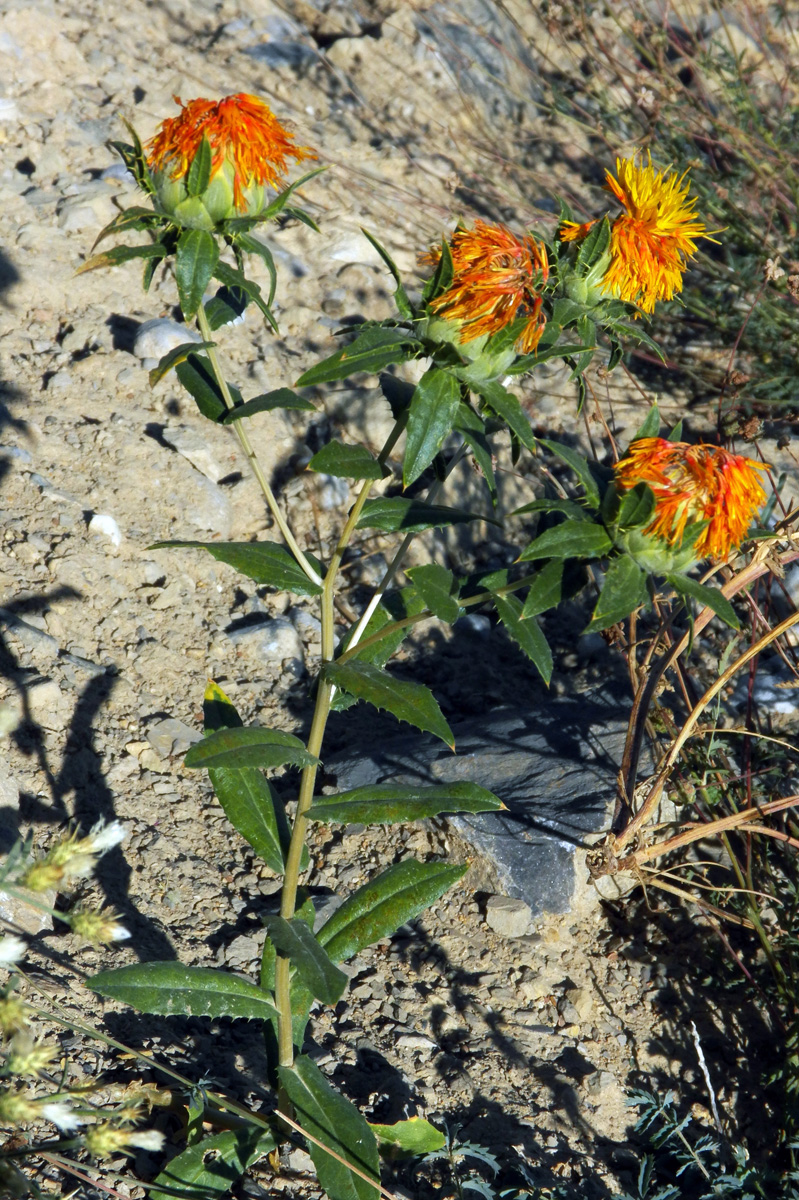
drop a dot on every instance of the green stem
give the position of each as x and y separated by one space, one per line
252 458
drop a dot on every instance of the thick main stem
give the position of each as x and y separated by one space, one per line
252 458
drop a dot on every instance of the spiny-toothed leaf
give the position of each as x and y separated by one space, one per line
430 418
593 246
295 941
268 402
301 996
650 426
580 467
411 702
623 590
528 362
346 462
471 427
136 217
210 1168
264 562
442 276
571 539
380 907
526 634
121 254
392 514
438 587
175 356
507 406
545 590
710 597
334 1121
249 747
387 803
376 347
636 507
279 203
196 258
567 507
172 989
395 606
401 300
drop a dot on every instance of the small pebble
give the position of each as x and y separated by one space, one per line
156 338
507 916
103 524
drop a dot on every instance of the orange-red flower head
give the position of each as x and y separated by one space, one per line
250 150
652 240
695 483
496 278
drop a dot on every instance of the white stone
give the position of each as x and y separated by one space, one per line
195 450
507 916
156 338
102 523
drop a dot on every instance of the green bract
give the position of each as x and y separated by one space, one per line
213 205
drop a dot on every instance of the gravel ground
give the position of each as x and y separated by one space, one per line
528 1042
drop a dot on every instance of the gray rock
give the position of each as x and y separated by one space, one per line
275 639
172 736
508 916
156 338
195 450
18 452
554 767
9 809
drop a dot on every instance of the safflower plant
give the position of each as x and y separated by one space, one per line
496 305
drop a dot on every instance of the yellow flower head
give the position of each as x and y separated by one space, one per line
652 240
694 483
496 278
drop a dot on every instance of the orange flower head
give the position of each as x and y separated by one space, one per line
250 150
695 483
652 240
496 278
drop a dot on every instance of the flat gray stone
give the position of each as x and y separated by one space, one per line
554 768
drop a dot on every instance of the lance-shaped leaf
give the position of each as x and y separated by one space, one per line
121 254
580 467
571 539
380 907
209 1169
279 398
175 356
296 942
622 592
253 245
506 406
567 507
301 996
172 989
400 295
650 427
472 428
195 262
710 597
395 606
198 379
442 276
636 507
370 351
430 417
387 803
392 514
527 362
227 306
332 1120
265 562
526 634
347 462
438 587
545 590
250 802
414 1136
411 702
136 217
233 278
250 747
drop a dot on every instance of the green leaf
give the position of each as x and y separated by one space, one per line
254 245
279 203
411 702
508 408
199 380
401 300
196 257
430 418
593 246
332 1120
527 362
650 426
264 562
301 997
395 605
250 802
370 351
387 803
637 506
348 462
438 587
471 427
121 254
567 507
526 634
209 1169
622 592
267 402
545 590
413 1136
570 539
135 217
228 305
233 278
709 597
580 467
392 514
296 941
198 175
248 747
378 908
398 392
170 989
178 355
442 276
